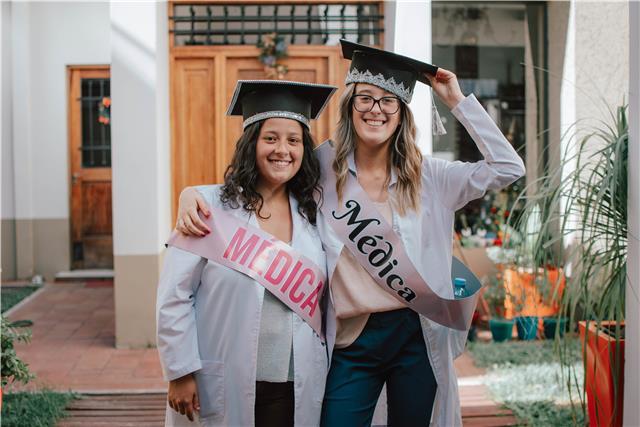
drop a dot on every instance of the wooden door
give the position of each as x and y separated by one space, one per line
90 167
202 83
194 121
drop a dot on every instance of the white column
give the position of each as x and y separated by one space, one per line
568 114
632 296
140 159
408 32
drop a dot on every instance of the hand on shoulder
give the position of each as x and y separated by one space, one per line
188 221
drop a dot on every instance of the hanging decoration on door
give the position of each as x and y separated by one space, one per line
272 49
104 111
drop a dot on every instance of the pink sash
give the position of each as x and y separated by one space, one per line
293 278
372 241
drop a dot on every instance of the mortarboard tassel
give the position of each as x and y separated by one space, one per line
436 122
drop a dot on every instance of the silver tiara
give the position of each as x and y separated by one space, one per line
276 114
379 80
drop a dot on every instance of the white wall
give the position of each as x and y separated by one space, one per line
21 112
8 209
47 38
594 77
601 58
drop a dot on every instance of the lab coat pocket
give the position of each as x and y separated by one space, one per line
210 381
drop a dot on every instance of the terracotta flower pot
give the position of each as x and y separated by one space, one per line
604 371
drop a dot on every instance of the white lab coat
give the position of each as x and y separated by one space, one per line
427 237
208 319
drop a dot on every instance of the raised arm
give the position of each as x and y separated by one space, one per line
458 182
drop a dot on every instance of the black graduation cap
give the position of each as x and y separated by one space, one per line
257 100
395 73
392 72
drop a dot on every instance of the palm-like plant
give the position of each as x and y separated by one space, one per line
578 218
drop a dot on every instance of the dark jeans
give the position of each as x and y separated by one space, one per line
389 350
274 404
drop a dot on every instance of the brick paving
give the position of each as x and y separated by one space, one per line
73 342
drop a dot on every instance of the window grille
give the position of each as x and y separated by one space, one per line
96 125
316 24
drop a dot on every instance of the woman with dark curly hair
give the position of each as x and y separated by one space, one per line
239 334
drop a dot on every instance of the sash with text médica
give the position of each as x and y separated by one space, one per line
290 276
375 245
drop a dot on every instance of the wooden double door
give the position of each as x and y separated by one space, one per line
202 82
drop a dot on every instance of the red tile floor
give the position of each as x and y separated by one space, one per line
73 342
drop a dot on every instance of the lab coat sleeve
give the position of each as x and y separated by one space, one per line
459 182
177 336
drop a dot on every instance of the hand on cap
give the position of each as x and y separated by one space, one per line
189 222
445 85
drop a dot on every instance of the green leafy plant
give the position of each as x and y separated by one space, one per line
13 295
517 353
41 408
526 377
587 205
14 368
494 294
577 217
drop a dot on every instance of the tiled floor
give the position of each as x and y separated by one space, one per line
73 344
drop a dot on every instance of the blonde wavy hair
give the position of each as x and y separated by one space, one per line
404 156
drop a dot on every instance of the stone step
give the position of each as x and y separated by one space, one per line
148 409
84 275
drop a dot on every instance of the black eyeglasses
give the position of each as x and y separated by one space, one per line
365 103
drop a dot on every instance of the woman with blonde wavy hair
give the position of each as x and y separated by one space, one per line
376 339
403 157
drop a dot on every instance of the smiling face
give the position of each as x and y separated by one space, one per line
279 151
374 127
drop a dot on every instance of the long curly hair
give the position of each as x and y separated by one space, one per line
241 176
404 155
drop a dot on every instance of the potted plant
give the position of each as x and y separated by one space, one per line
603 350
494 295
527 327
580 208
533 282
554 325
